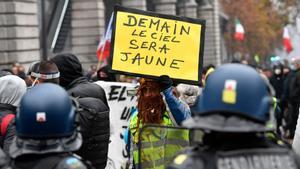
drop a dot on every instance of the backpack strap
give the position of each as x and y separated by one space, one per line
5 122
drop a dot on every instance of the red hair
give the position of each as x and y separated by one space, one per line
150 106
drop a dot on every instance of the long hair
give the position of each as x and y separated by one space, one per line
150 105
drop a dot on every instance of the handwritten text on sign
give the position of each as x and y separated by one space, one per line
155 46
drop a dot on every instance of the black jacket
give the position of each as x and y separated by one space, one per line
94 121
294 94
82 88
6 141
277 81
94 113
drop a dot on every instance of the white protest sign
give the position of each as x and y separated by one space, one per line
120 103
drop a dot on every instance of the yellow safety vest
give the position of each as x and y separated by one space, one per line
271 123
158 145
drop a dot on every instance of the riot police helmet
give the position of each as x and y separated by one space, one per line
45 122
235 99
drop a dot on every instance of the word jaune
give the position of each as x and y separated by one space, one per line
150 60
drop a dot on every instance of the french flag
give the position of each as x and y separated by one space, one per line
287 40
103 49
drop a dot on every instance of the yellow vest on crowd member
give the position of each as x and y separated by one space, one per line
271 124
158 144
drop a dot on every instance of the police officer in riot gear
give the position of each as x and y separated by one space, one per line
233 112
46 131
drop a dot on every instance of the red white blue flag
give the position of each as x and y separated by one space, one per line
287 40
103 50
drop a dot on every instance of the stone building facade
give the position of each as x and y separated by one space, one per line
19 26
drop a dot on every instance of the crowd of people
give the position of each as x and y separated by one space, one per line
40 117
54 116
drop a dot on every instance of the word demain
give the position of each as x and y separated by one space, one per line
137 59
158 25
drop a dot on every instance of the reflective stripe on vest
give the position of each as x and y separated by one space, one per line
182 143
160 163
272 123
159 145
274 103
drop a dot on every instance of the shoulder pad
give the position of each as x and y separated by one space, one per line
71 163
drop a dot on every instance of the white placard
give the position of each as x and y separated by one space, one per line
121 103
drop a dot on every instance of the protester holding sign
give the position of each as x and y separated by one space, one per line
157 47
151 109
151 44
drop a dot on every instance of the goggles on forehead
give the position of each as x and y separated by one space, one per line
45 76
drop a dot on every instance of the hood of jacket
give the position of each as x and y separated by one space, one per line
69 67
12 89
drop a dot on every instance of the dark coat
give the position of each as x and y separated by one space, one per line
94 112
293 105
277 81
94 121
82 88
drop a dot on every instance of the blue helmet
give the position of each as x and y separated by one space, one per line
236 91
46 113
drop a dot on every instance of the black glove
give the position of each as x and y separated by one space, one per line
164 82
